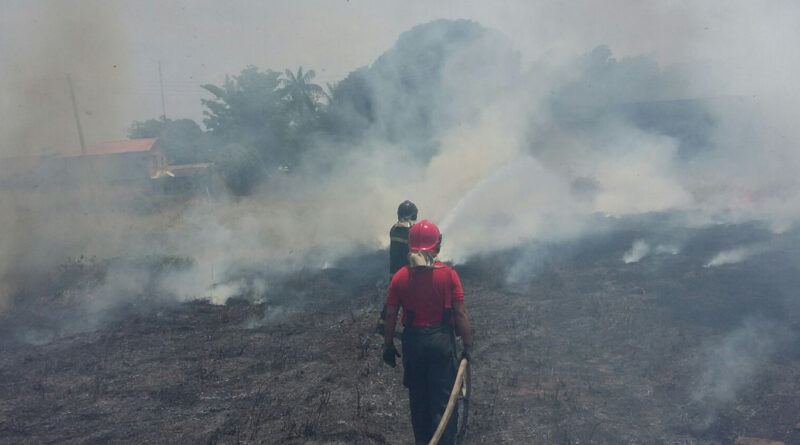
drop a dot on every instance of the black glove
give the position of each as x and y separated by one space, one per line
390 354
467 353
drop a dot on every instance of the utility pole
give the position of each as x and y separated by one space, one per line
161 82
86 182
77 116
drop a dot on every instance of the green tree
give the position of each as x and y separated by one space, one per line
247 110
330 91
303 95
351 108
150 128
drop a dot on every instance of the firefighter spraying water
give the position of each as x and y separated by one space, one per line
398 247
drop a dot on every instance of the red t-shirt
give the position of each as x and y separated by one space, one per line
427 292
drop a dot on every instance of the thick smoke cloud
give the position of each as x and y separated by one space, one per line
86 41
497 151
544 150
504 142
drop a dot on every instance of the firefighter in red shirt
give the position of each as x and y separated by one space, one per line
432 299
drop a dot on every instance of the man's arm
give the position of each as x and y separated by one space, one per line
462 323
391 321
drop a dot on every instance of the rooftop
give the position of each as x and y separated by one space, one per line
116 147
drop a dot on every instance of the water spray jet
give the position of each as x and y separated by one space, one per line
520 166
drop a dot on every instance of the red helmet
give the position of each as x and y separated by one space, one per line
424 235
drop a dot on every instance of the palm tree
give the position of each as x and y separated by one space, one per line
331 89
303 95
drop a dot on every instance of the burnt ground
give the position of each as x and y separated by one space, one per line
582 349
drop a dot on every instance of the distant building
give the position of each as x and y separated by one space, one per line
135 164
135 160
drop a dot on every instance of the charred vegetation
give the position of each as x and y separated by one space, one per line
584 349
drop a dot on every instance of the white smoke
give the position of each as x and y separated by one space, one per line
732 256
670 249
641 248
43 43
638 250
521 152
733 362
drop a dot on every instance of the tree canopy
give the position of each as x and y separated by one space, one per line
247 110
302 95
428 82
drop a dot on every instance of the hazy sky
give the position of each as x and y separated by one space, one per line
112 48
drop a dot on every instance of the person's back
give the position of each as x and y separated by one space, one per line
398 247
427 293
398 236
432 299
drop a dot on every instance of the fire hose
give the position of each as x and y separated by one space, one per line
462 386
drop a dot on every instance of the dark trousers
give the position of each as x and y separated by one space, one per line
429 372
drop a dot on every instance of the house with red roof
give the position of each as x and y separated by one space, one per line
132 163
120 161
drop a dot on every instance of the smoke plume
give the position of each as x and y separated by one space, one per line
732 256
86 41
638 250
502 142
733 362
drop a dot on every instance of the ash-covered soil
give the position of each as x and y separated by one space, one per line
577 347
